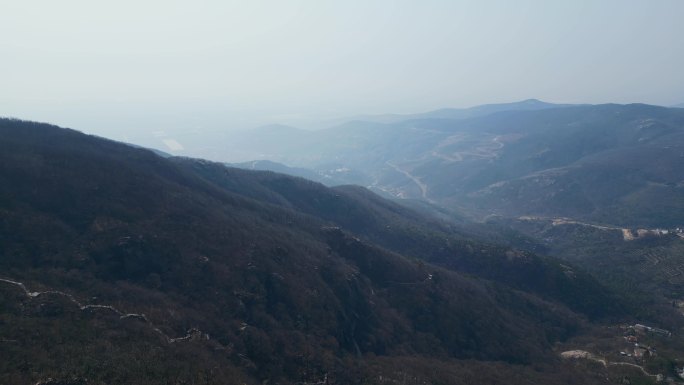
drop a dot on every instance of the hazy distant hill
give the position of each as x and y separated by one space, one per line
143 269
617 164
281 143
448 113
611 164
461 113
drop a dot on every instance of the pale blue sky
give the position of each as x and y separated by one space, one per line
124 68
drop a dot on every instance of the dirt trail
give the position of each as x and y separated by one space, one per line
582 354
34 294
626 233
634 365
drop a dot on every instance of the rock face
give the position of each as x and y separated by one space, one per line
575 354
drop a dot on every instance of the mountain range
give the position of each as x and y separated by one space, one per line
601 186
123 266
611 164
142 267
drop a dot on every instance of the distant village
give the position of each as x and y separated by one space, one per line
632 352
639 351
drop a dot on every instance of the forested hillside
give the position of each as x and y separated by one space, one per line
143 269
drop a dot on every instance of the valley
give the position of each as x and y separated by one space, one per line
599 186
545 243
342 193
126 262
579 162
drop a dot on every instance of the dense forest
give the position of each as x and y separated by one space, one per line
142 269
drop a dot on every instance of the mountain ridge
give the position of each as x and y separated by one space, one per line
461 163
453 113
283 292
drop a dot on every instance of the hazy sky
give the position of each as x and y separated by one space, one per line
115 67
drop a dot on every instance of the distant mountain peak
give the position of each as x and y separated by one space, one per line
522 104
533 101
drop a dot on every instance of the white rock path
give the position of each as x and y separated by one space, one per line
34 294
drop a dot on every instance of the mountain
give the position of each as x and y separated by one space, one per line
465 113
280 142
407 232
614 164
608 164
579 182
456 113
681 105
121 266
644 265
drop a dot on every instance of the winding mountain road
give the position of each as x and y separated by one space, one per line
422 186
